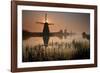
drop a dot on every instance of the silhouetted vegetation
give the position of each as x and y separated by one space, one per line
57 51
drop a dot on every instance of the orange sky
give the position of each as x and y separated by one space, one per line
75 22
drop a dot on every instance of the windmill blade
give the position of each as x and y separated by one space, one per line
39 22
50 24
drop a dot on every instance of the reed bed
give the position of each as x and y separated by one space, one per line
74 50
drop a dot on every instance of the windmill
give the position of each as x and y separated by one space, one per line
46 31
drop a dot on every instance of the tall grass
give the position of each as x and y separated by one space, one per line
57 51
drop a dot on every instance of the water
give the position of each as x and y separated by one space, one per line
74 47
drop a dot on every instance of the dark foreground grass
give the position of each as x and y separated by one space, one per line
76 50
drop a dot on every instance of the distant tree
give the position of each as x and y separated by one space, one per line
87 36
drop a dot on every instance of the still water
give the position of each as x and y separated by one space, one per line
72 48
39 40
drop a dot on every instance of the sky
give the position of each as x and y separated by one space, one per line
75 22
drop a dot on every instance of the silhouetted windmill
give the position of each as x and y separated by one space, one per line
46 31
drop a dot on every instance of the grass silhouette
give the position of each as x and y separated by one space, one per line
75 50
